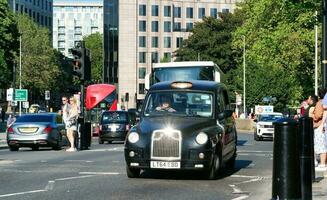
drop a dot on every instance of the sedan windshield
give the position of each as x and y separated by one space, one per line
269 118
178 103
35 118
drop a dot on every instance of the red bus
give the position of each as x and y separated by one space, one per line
99 97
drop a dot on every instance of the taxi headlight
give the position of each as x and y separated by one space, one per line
133 137
201 138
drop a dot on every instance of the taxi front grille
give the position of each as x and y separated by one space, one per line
166 145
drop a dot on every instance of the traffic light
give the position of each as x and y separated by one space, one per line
81 63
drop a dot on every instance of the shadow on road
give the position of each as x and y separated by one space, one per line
193 175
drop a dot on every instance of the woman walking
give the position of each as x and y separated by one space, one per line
71 125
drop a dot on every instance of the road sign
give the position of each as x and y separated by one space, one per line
47 95
10 94
26 104
21 94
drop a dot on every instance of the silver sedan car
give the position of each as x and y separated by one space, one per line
35 130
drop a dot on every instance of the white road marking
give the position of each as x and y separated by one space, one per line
21 193
244 151
100 173
50 185
87 161
74 177
120 149
241 197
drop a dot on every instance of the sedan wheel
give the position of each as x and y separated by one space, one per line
13 148
100 141
35 148
256 136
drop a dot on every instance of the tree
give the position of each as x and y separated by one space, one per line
40 65
279 50
9 44
211 40
94 43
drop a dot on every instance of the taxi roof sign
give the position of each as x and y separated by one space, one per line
181 85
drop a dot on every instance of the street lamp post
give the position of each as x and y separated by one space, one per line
244 105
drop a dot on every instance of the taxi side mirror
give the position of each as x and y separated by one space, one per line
225 114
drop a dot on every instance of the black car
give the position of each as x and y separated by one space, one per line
196 132
114 126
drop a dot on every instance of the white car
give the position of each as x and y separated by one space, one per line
264 127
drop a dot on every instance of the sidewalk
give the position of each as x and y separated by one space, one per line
319 188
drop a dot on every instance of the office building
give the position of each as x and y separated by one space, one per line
74 19
39 10
139 33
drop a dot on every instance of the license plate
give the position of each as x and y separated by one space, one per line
165 165
27 130
270 129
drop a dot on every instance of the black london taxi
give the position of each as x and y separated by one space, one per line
114 125
183 126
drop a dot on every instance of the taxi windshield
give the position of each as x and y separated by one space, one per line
179 103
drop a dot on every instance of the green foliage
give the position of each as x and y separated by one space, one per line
40 65
8 44
94 43
212 40
279 50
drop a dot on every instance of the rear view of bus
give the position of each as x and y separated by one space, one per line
183 71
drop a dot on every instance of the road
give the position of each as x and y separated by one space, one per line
99 173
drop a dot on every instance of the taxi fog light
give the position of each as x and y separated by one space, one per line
201 138
134 164
201 155
198 166
131 154
133 137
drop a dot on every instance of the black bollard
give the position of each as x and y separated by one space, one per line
87 134
286 164
306 156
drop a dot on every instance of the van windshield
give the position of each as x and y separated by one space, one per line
183 73
178 103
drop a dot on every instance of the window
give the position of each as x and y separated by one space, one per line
141 88
154 57
177 26
167 42
142 10
142 26
179 42
142 57
167 11
167 55
213 12
189 12
189 26
225 10
142 41
154 26
155 11
177 12
155 42
142 71
167 26
202 13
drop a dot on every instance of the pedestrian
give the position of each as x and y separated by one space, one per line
320 139
11 120
312 101
3 115
71 124
64 108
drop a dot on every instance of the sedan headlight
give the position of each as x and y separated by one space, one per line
201 138
133 137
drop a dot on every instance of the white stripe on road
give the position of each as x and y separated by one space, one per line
21 193
241 197
100 173
72 178
244 151
111 149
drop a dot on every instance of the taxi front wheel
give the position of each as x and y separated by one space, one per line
132 173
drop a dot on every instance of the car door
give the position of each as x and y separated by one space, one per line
227 122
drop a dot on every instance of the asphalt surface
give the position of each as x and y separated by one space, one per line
99 173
